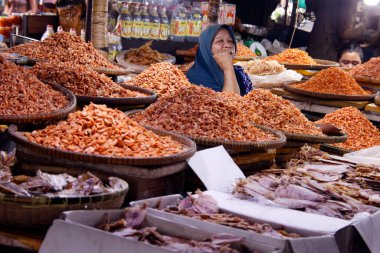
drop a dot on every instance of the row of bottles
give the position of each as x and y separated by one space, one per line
50 31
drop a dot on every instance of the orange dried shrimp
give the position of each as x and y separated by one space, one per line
369 69
144 55
293 56
104 131
333 81
361 132
243 51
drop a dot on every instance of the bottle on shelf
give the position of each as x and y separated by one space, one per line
125 22
146 25
73 31
137 22
49 31
155 24
83 34
114 46
178 24
40 6
60 29
194 25
164 24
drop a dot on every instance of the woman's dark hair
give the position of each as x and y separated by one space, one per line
351 47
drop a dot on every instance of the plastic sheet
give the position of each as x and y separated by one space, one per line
366 156
274 81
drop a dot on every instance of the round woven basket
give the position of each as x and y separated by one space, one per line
189 150
44 117
233 145
186 53
366 79
329 96
37 212
315 138
335 150
136 68
152 97
113 72
322 64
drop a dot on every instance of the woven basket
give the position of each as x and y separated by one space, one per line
335 150
322 64
151 98
329 96
113 72
233 145
315 138
44 117
186 53
37 212
366 79
189 151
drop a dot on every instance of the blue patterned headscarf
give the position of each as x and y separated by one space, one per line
206 71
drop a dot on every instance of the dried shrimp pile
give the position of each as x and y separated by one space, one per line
369 69
332 81
361 132
262 68
277 113
64 47
201 112
144 55
162 78
243 51
21 93
81 80
104 131
293 56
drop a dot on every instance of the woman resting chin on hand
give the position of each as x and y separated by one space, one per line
213 66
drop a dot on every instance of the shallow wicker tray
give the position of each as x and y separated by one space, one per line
43 117
366 79
39 212
244 58
113 72
233 145
315 138
329 96
136 68
335 150
190 149
152 97
322 64
185 53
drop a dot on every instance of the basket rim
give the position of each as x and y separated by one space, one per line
246 145
68 200
316 138
112 72
322 64
290 88
366 79
37 118
338 150
190 149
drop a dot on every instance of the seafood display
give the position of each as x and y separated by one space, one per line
51 185
64 47
21 93
205 208
369 69
81 80
313 187
361 132
132 226
201 112
293 56
262 68
243 51
163 78
275 112
332 81
104 131
144 55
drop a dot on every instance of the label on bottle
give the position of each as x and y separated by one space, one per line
174 27
182 29
136 29
164 31
155 30
145 29
126 28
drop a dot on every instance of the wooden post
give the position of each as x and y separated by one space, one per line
88 20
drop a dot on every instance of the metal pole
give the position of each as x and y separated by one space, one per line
286 12
88 20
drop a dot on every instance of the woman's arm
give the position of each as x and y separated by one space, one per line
224 60
33 6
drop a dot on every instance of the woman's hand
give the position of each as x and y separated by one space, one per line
224 59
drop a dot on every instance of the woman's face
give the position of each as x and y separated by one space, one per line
221 41
349 60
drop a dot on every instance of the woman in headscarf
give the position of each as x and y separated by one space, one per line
213 66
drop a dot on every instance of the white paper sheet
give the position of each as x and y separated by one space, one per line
216 169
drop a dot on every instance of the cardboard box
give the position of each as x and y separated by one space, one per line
313 244
77 233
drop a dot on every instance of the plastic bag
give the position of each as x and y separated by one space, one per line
274 81
369 156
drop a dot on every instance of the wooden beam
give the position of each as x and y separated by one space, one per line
88 20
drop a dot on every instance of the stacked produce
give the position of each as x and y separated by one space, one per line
293 56
243 51
369 69
162 78
144 55
81 80
332 81
361 132
262 68
312 187
204 207
104 131
267 109
64 47
21 93
201 112
131 226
